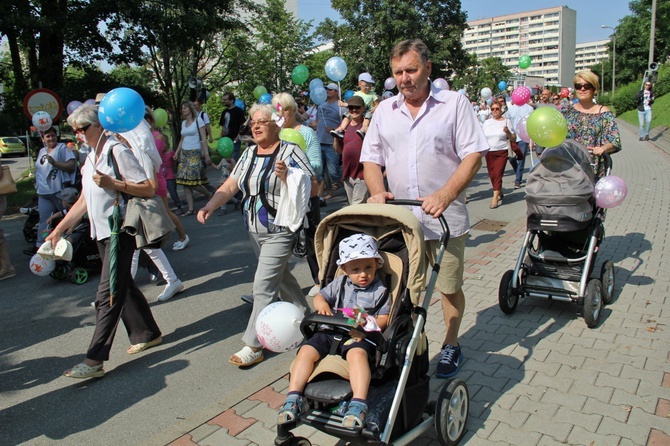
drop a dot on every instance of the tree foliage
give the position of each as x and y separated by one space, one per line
485 73
176 40
633 38
280 42
372 27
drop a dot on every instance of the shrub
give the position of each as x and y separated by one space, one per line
624 98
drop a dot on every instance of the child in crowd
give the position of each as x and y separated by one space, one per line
69 197
359 260
226 165
365 85
167 169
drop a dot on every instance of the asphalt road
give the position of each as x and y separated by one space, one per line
46 325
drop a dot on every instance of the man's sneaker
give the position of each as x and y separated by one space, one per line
517 185
450 361
170 290
248 298
360 133
314 290
337 134
179 244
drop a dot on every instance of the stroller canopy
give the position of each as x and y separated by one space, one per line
380 221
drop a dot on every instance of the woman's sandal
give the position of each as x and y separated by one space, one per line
83 371
247 357
335 186
290 411
187 213
136 348
494 206
355 416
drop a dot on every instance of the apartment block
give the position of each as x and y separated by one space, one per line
548 36
591 53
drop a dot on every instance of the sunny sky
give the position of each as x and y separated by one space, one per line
590 14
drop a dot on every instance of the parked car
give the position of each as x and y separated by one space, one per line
11 145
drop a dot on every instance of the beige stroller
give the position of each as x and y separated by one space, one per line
399 410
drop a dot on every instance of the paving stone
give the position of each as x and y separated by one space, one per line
580 436
575 418
506 434
607 380
573 401
610 426
221 438
203 431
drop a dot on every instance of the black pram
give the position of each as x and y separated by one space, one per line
564 232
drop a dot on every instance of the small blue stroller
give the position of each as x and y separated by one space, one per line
85 257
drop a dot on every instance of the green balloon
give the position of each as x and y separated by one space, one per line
547 127
294 136
524 61
300 74
161 117
225 147
259 91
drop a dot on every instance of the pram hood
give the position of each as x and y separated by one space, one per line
379 221
563 175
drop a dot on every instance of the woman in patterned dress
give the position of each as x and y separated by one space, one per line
193 155
590 124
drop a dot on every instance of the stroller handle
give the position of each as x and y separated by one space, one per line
443 221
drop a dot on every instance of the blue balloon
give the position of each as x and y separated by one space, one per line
239 103
319 95
265 98
121 110
336 69
348 94
315 83
463 92
502 85
489 101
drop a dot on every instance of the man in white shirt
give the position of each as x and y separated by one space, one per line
432 146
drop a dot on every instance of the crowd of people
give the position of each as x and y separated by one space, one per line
424 143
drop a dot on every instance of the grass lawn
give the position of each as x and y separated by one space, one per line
660 113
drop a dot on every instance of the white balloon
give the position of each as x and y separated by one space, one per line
486 93
42 121
278 327
40 266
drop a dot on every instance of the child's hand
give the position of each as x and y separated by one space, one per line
322 306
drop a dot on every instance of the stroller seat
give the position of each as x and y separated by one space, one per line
337 367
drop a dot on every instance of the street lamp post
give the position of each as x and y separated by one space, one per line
613 56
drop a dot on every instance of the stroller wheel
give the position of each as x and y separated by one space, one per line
451 412
607 279
593 303
300 441
60 272
507 298
79 276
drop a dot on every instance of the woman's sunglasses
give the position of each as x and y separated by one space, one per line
585 86
354 107
82 129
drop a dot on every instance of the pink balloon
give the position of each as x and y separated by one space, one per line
440 83
521 130
389 83
521 95
89 102
610 191
565 92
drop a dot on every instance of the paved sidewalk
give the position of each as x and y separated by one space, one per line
540 376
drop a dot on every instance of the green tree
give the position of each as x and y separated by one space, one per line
485 73
372 27
633 37
280 42
176 40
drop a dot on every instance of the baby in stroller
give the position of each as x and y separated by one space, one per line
358 287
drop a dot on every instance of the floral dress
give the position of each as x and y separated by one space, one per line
593 130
